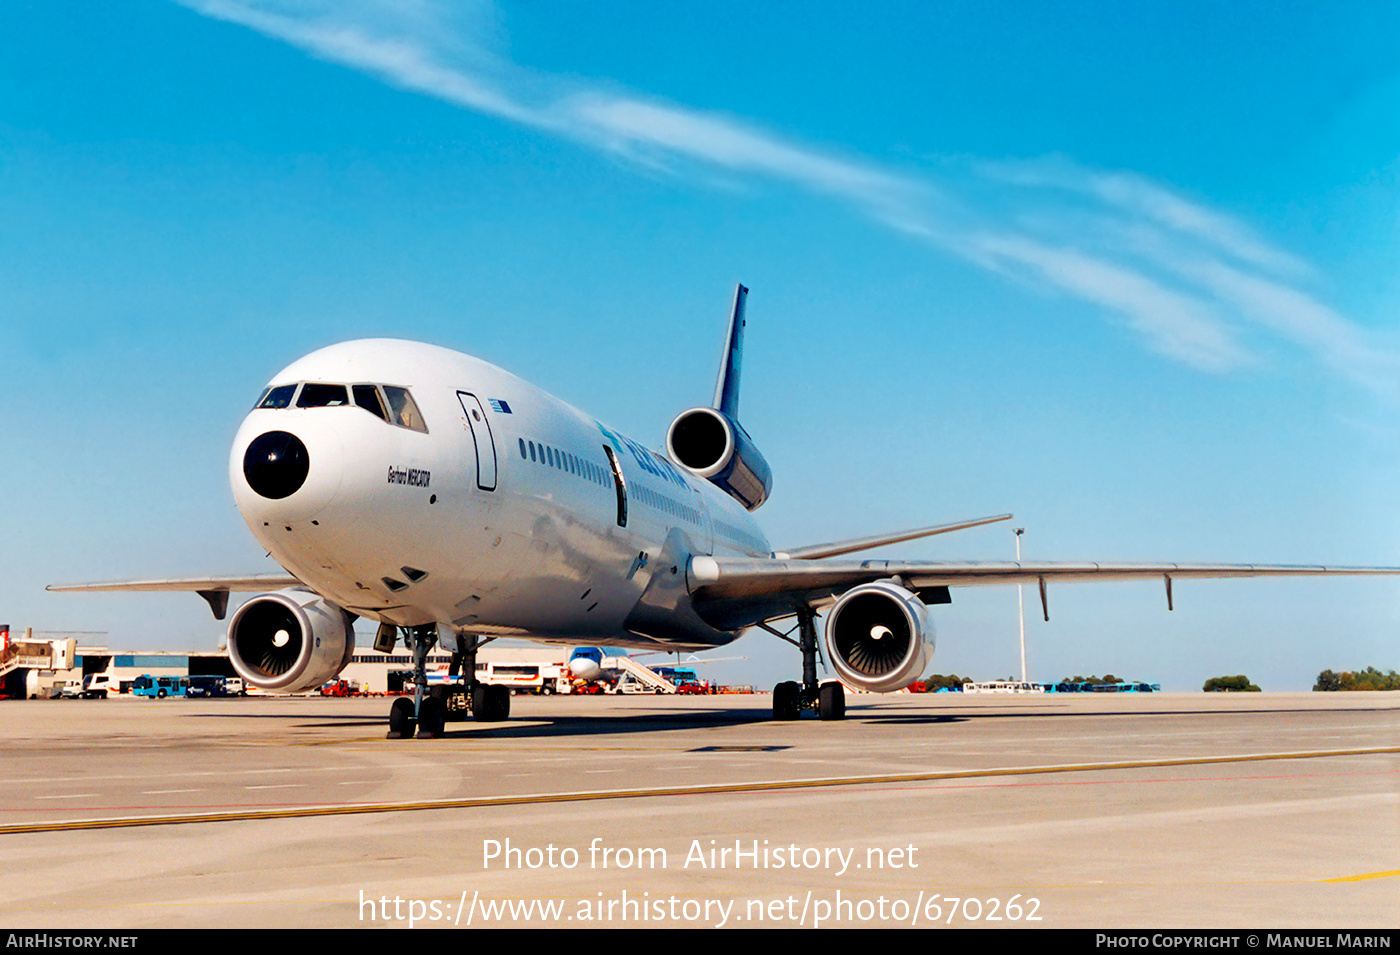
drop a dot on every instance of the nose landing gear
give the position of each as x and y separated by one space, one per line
429 710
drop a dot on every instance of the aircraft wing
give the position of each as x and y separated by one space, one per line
252 582
213 589
736 592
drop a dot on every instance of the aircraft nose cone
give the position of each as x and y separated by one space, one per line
276 464
584 668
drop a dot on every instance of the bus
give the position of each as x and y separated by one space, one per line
159 687
1003 686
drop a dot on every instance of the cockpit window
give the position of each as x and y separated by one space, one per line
277 397
403 410
315 394
386 402
367 397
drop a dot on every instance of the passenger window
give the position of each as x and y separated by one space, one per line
317 395
278 397
403 410
367 397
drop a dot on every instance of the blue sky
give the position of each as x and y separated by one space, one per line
1127 272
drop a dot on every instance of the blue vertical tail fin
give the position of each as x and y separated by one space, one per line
727 385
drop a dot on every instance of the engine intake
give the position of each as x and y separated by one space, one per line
717 448
290 640
878 637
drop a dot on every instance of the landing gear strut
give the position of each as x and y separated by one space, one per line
425 714
489 703
791 698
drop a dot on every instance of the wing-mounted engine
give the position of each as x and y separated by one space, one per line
290 640
715 447
878 637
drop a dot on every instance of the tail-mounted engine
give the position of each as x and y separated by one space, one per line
878 637
290 640
715 447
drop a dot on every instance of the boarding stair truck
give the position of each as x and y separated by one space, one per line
640 679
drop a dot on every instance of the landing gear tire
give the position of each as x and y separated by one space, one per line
401 720
831 701
490 704
787 700
432 717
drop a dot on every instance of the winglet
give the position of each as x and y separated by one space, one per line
727 385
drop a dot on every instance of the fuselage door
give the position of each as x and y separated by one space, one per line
480 428
619 484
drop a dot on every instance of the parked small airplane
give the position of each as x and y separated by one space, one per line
450 500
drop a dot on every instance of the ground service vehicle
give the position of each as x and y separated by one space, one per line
159 687
98 686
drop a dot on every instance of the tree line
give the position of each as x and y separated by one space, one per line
1367 679
1327 681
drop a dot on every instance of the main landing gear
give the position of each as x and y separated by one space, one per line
429 711
790 698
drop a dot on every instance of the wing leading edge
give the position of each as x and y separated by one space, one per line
213 589
736 592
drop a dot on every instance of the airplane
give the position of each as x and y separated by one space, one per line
590 663
449 500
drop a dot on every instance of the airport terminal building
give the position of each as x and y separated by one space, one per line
39 665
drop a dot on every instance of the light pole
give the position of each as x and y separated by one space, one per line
1021 606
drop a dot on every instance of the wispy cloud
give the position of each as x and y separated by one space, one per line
1173 323
1197 285
1136 199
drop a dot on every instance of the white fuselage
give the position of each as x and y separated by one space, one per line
487 507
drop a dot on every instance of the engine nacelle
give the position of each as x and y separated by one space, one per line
878 637
718 449
290 640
